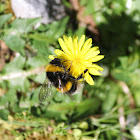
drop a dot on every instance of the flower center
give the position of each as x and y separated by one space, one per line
77 61
77 67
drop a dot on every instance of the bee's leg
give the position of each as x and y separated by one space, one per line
85 71
66 73
60 83
65 76
72 77
70 97
81 76
60 86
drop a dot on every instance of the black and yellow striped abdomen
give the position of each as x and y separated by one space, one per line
60 78
54 68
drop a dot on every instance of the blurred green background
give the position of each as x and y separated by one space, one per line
106 111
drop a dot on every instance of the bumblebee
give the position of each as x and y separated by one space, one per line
59 77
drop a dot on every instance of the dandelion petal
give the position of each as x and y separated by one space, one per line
89 79
97 58
87 45
93 71
51 57
92 54
97 67
63 45
81 42
59 52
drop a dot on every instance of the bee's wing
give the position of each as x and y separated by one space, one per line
45 90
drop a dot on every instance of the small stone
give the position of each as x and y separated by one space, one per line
48 10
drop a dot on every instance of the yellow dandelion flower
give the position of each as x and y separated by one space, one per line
79 56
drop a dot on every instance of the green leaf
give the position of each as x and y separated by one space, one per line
35 111
54 31
4 19
16 65
121 75
24 25
4 114
110 100
80 31
55 115
57 28
72 109
42 37
42 48
124 62
21 84
38 61
15 43
85 108
34 97
134 63
137 97
39 77
119 6
83 2
2 7
61 98
10 96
